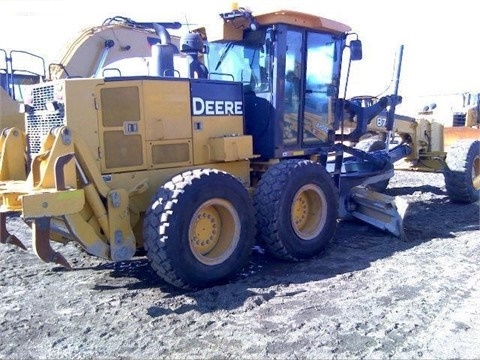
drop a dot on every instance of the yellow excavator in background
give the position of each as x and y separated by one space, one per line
96 51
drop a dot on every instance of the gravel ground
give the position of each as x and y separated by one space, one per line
370 295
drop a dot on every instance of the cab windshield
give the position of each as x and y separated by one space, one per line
244 62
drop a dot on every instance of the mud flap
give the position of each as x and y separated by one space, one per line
379 210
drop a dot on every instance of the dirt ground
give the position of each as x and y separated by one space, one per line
369 296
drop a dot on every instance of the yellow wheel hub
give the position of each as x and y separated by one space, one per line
300 211
214 231
308 211
206 230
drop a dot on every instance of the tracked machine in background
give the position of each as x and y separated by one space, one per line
251 143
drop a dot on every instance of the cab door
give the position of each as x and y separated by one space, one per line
310 88
321 88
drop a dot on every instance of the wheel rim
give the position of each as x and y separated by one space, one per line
476 173
308 212
214 231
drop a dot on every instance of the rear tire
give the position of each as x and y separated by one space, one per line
199 229
370 145
296 204
462 177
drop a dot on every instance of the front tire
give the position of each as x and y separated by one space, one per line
296 204
199 228
462 176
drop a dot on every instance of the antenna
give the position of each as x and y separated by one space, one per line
187 23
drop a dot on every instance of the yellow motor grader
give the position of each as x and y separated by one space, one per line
194 167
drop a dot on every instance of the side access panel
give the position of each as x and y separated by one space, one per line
144 123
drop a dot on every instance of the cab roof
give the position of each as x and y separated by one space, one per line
301 19
229 26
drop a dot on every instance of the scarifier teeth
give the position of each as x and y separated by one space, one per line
41 243
5 236
12 239
59 259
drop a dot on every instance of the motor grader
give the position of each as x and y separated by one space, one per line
194 168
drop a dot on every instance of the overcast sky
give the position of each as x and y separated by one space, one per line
441 51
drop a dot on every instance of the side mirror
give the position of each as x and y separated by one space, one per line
355 50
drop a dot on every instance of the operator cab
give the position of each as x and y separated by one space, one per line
291 76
